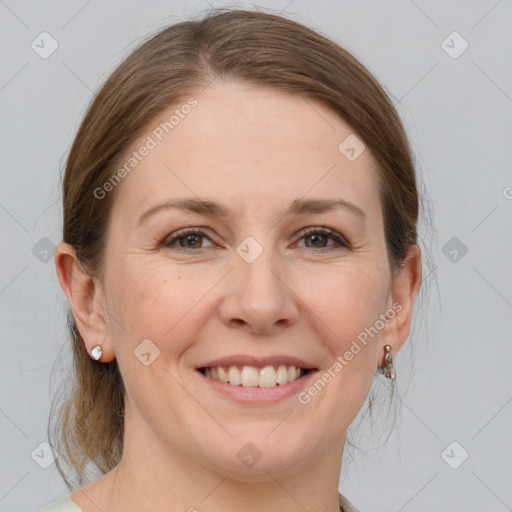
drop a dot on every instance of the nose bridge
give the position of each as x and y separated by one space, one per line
255 266
258 295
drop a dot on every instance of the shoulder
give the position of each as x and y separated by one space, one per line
345 505
65 504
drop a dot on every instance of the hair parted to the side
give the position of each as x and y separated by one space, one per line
246 46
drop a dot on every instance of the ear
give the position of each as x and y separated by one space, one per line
404 287
86 297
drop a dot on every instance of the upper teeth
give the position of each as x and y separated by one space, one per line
250 376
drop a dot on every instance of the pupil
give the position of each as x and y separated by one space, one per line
191 239
316 239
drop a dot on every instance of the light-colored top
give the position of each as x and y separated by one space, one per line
65 504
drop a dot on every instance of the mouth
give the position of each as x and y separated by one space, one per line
268 376
256 380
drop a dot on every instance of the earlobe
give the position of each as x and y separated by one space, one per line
85 297
404 288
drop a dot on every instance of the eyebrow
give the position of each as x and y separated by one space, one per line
214 209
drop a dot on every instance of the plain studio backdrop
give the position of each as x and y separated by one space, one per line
446 65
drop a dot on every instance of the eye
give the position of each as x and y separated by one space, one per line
319 237
187 239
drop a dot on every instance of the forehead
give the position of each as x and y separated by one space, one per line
250 147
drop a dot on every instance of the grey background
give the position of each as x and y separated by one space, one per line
455 375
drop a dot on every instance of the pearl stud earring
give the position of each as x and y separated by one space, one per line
96 353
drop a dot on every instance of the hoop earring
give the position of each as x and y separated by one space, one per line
388 369
96 353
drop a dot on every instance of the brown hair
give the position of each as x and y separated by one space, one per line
252 47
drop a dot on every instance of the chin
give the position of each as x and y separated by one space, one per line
252 459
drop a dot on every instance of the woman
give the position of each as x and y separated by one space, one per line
240 256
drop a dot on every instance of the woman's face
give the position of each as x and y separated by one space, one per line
247 285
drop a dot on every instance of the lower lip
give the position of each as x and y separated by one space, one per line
256 395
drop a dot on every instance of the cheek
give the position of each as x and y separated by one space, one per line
346 301
152 298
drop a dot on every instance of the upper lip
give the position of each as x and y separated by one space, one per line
247 360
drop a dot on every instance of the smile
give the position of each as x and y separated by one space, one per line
251 376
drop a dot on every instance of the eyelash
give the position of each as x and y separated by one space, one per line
342 243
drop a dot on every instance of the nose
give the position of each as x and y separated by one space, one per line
258 298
